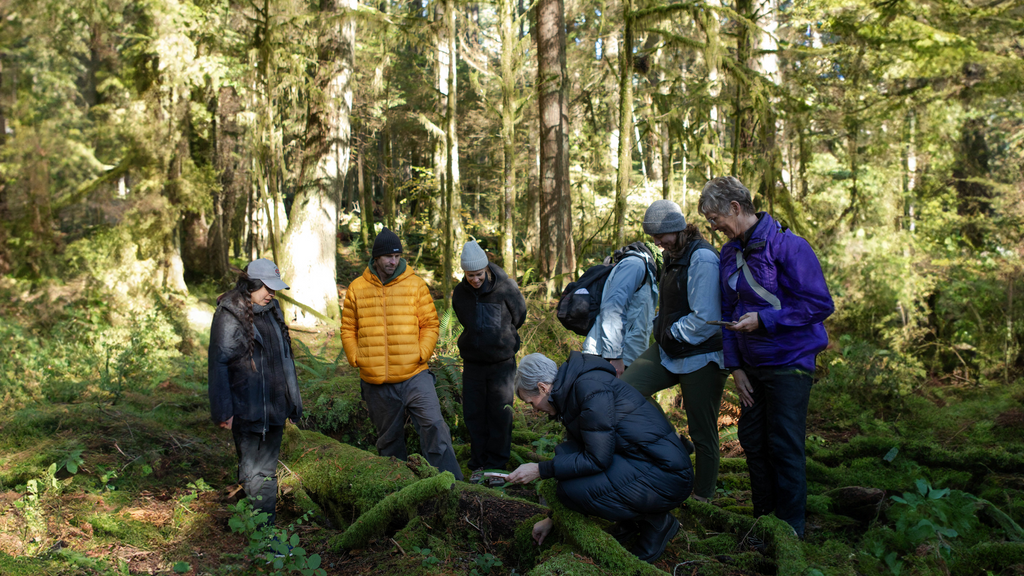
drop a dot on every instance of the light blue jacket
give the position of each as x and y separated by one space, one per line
623 328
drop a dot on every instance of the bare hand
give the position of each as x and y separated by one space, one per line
743 388
542 529
747 323
226 424
619 366
525 473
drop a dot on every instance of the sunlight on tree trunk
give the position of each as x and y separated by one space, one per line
310 243
509 42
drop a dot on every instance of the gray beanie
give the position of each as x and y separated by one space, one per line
473 257
664 217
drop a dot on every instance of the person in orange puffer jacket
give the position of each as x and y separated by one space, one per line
389 329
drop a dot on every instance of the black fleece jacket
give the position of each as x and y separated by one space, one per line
256 398
491 316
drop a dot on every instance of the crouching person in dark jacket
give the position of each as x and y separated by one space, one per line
491 310
622 460
252 383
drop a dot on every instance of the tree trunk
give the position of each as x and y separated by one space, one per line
557 251
311 241
910 189
452 188
508 134
366 232
533 194
625 122
226 133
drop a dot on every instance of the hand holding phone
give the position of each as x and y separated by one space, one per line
720 323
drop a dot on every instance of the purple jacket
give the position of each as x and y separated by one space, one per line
785 265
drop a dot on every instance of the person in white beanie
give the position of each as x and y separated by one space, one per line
491 309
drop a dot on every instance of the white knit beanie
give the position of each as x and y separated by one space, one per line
473 257
663 217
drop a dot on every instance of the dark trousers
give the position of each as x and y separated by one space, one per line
257 467
772 433
487 396
702 399
388 403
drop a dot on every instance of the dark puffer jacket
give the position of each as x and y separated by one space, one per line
622 457
491 316
257 399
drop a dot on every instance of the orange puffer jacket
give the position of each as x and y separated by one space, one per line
389 332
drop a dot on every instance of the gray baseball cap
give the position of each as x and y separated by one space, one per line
266 271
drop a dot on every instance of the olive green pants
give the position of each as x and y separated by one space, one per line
702 399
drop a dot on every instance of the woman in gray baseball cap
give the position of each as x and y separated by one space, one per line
252 384
688 351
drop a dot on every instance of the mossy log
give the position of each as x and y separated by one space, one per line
399 506
990 557
584 534
780 542
982 459
343 480
564 561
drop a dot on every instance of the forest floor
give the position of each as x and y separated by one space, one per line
928 482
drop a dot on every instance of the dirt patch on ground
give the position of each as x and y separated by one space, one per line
496 519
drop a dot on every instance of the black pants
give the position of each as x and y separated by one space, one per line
257 467
771 433
487 393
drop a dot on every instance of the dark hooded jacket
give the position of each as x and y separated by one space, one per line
260 398
491 316
622 457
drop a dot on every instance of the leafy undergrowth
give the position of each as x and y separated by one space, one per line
107 476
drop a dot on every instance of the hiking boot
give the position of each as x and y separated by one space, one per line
477 476
656 530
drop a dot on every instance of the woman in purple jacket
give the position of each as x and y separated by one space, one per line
774 293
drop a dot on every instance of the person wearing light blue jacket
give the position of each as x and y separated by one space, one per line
622 330
689 349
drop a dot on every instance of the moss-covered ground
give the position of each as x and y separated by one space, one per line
120 471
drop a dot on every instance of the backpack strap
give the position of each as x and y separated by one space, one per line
768 297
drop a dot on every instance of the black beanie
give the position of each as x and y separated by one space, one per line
386 242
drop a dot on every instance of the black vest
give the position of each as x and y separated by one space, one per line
675 305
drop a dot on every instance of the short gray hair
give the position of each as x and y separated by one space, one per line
532 369
719 193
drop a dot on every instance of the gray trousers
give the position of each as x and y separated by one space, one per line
257 467
388 404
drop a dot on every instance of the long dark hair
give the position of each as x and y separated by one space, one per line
242 296
683 239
